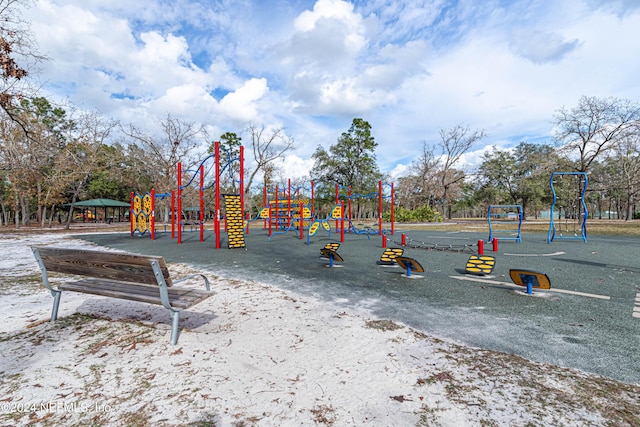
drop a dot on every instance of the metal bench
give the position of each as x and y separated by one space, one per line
142 278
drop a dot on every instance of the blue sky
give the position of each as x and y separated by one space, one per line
410 68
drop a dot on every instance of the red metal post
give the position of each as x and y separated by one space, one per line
301 215
289 202
393 219
313 200
337 203
342 222
264 200
277 208
480 247
216 222
242 182
202 203
132 214
179 213
152 220
380 208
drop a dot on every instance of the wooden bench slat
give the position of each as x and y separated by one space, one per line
178 297
106 265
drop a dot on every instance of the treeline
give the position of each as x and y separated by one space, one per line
600 136
51 156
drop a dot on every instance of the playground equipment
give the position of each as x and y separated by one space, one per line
285 214
409 265
234 204
379 196
530 279
505 222
480 265
291 210
141 215
142 212
388 257
570 205
336 214
330 251
415 244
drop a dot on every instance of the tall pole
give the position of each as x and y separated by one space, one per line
342 222
380 208
349 204
242 183
277 213
179 213
392 209
216 222
152 220
264 204
289 202
132 215
338 202
202 203
313 200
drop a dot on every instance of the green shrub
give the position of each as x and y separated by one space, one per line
421 214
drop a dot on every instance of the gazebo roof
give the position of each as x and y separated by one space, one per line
100 203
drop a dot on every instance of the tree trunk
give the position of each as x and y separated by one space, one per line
53 211
40 214
24 202
17 211
44 216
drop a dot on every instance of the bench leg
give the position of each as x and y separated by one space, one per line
175 319
56 303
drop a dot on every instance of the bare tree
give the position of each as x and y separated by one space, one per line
454 143
81 155
419 187
593 127
176 143
626 160
16 41
268 146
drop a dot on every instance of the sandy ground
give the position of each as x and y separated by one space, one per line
256 355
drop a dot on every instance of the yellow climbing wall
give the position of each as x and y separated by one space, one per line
235 222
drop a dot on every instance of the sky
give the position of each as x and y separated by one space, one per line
410 68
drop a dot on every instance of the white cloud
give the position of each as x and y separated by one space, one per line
408 67
540 47
241 104
295 167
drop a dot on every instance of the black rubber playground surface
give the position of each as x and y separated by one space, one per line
591 326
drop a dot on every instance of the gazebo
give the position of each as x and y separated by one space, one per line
115 205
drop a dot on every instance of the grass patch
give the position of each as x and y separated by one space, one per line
542 389
21 285
382 325
608 227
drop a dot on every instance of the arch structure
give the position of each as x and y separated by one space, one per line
505 222
568 205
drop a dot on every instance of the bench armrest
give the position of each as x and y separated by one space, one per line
162 284
43 270
206 280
